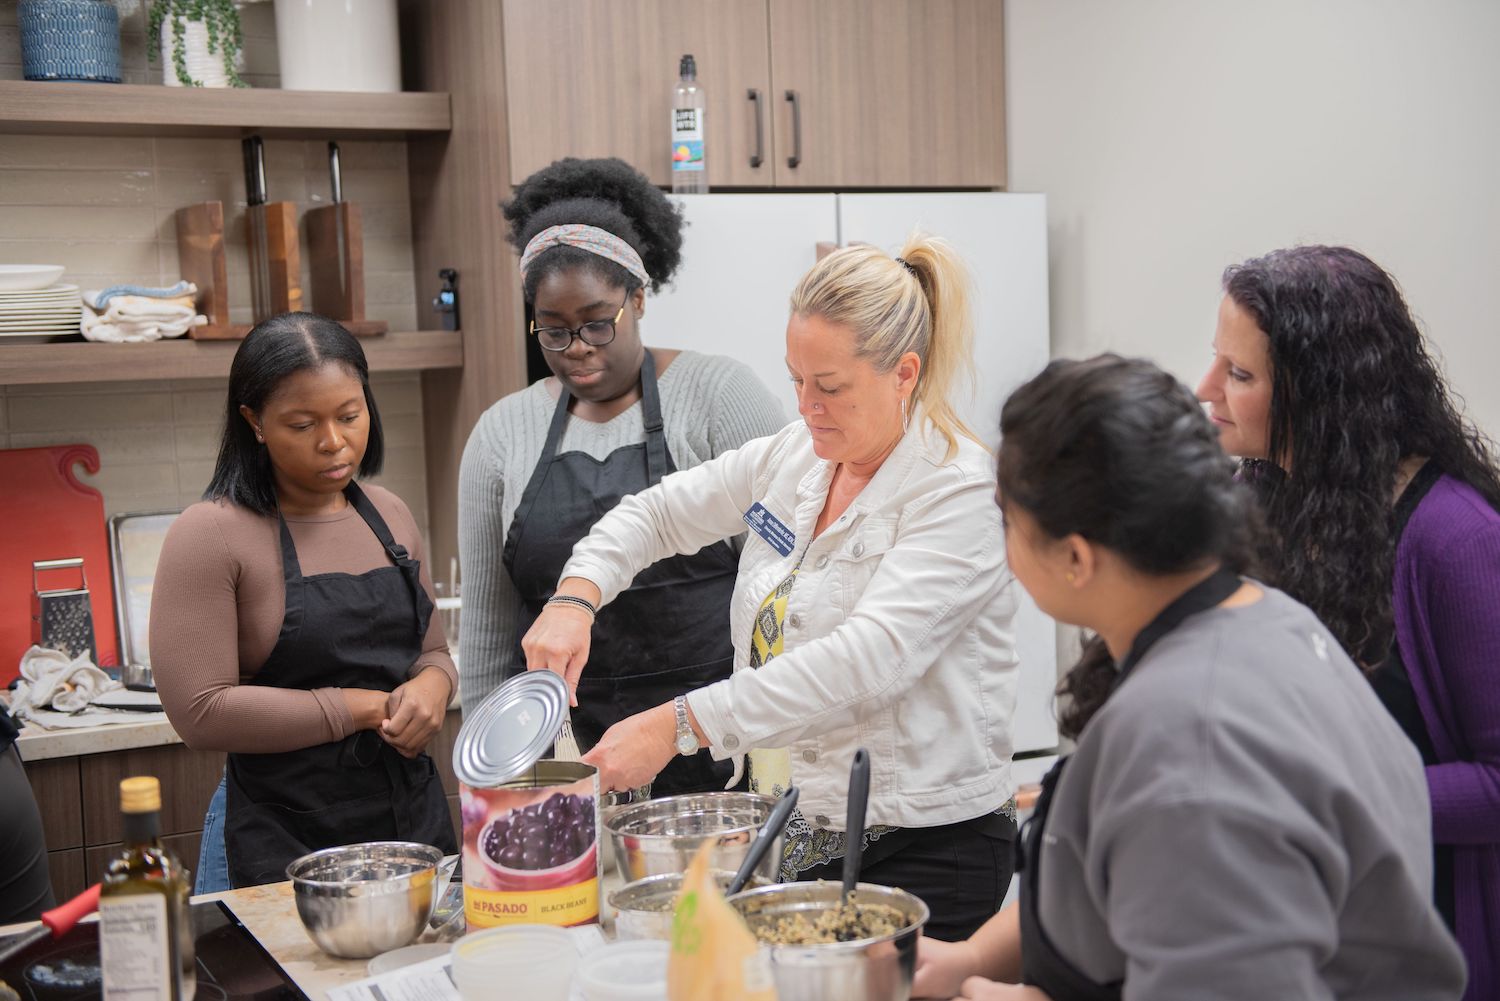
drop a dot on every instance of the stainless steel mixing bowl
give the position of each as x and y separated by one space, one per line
663 835
358 901
644 909
872 969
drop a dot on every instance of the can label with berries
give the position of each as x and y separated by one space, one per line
531 848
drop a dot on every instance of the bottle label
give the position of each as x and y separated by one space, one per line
134 948
687 139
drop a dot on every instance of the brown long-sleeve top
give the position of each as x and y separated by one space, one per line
216 610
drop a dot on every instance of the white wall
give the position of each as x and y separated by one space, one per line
1173 137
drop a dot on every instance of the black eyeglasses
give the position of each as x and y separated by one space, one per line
595 333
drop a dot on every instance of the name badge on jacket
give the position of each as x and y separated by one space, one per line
766 525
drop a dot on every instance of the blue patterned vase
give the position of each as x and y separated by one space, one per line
70 40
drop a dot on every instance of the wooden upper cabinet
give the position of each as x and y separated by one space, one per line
892 93
594 78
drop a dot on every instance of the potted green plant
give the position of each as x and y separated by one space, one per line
200 42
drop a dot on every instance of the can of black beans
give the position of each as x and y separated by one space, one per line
531 826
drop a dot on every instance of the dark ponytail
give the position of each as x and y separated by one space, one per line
1119 452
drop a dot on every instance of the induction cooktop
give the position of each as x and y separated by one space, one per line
232 965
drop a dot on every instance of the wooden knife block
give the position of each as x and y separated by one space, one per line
336 260
200 255
283 261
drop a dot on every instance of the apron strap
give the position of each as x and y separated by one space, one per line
1202 596
658 463
539 472
371 515
410 569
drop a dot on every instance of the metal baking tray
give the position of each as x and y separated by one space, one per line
135 542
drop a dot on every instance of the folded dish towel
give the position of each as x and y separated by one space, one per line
50 678
101 298
128 318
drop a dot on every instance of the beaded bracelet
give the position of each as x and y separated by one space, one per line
569 599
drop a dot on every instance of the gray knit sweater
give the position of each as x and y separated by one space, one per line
710 405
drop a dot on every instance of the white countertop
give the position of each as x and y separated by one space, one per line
153 730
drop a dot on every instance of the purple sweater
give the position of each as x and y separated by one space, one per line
1447 616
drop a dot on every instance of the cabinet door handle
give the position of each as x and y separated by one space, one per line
758 157
796 158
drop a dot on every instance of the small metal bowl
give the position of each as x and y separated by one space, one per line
358 901
644 909
663 835
870 969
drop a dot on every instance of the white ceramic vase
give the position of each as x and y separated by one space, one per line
338 45
206 68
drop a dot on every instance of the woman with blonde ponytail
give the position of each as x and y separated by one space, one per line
870 608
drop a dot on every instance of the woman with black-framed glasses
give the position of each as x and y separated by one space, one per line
542 465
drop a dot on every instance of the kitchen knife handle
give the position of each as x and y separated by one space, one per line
255 170
335 173
795 159
758 157
61 919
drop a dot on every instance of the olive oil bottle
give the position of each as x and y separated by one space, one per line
145 931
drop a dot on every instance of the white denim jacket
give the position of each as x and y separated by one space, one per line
897 634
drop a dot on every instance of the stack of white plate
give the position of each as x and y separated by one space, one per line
33 308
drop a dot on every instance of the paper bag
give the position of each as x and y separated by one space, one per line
714 954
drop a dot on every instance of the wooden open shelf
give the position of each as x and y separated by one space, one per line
104 109
83 361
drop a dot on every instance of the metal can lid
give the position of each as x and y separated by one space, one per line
511 729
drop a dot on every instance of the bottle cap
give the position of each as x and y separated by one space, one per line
688 68
140 794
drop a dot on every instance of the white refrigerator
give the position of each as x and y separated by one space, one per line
743 254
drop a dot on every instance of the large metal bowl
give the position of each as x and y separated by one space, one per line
872 969
358 901
611 803
663 835
644 909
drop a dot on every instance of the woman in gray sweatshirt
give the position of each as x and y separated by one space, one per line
1241 818
543 464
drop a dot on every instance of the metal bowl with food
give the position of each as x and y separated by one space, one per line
822 951
664 835
643 909
357 901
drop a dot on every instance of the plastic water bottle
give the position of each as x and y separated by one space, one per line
689 168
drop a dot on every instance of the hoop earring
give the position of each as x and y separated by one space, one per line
905 417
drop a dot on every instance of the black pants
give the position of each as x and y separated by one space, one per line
25 883
960 871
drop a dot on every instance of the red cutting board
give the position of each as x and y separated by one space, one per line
46 514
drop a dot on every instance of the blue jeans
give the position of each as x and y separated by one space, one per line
213 864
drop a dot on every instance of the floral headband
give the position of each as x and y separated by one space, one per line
590 238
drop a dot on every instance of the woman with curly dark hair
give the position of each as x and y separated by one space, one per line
1384 506
543 464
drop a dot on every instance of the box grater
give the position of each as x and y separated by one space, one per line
62 619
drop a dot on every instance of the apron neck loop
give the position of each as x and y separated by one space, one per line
1202 596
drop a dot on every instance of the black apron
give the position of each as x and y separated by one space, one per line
1042 966
340 631
665 635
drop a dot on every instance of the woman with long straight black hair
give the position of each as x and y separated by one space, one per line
1241 819
291 619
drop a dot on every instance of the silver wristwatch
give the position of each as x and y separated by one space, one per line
687 740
